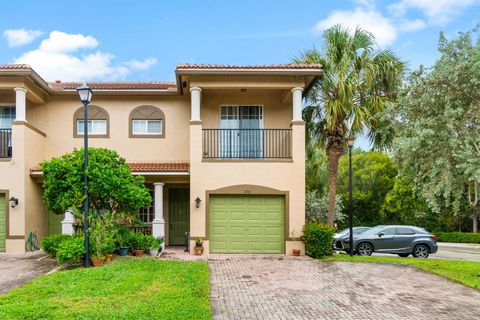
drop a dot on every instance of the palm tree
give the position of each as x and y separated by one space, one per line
357 83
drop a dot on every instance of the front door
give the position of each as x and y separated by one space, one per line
178 215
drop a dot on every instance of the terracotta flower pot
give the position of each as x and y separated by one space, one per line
97 262
296 252
139 253
198 251
108 257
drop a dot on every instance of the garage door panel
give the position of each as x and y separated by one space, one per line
246 224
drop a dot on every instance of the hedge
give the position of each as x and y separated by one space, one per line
318 239
459 237
51 243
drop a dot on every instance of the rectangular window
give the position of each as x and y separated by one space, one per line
7 115
147 126
94 127
147 214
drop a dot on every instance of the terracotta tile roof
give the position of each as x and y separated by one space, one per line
252 67
15 66
146 167
151 85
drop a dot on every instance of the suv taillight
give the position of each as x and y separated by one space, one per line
434 237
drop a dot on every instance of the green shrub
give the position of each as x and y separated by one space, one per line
122 236
459 237
139 241
318 239
51 243
71 251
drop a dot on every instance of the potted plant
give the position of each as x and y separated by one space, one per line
139 243
108 247
122 240
155 244
295 237
198 246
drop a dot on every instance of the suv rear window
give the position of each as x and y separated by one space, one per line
405 231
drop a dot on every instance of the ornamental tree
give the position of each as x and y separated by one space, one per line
437 123
111 186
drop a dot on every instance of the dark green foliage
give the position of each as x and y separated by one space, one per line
139 241
459 237
318 239
111 188
373 177
71 251
51 243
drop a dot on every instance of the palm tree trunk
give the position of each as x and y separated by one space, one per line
333 153
475 219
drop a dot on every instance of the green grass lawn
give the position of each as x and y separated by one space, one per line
464 272
127 288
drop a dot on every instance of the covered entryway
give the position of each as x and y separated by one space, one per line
3 221
246 223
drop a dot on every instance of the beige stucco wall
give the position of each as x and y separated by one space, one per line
57 121
285 176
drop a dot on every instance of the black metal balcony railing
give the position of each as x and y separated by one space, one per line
5 143
247 143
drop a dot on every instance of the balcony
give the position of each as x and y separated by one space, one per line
5 143
220 144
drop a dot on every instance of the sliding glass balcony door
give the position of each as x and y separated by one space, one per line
242 132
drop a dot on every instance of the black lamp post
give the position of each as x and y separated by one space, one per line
350 142
85 94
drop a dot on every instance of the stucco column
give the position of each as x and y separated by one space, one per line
20 104
196 96
67 223
158 223
297 103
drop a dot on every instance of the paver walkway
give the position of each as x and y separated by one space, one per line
282 287
17 269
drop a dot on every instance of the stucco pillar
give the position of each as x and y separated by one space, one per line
196 96
158 223
20 104
297 103
67 223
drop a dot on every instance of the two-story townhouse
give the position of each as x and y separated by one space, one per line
221 149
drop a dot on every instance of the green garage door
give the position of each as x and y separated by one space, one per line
3 222
246 224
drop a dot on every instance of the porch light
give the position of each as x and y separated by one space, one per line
85 93
197 202
13 202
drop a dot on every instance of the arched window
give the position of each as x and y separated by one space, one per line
98 122
147 122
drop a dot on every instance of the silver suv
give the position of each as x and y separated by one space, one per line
401 240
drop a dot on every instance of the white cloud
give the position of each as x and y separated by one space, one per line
412 25
63 42
373 21
56 59
437 11
19 37
141 65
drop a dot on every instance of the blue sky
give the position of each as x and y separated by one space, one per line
144 40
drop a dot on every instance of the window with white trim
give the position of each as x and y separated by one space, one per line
94 127
150 126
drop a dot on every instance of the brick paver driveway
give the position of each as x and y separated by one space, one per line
16 269
280 287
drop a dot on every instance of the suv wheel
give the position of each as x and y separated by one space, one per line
364 249
421 251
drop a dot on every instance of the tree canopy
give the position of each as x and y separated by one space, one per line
111 186
437 125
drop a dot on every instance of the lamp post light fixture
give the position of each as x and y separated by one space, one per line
85 94
350 142
13 202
